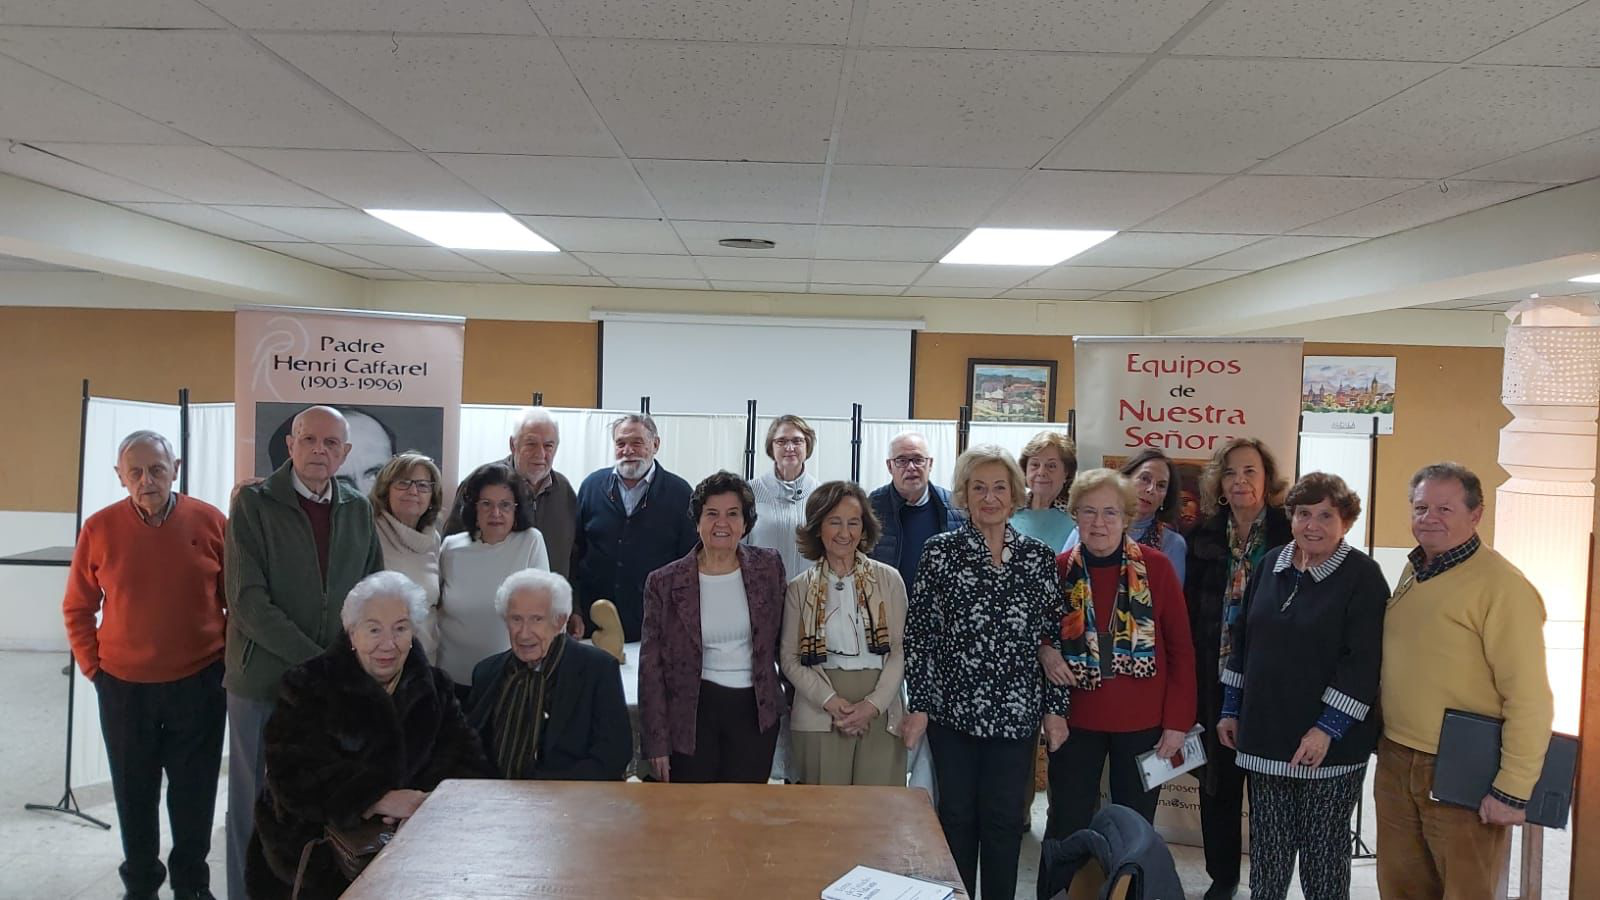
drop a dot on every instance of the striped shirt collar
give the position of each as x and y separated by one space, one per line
1445 561
1319 571
166 512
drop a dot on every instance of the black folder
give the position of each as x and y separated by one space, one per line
1469 759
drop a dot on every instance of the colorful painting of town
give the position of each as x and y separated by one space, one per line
1010 392
1342 393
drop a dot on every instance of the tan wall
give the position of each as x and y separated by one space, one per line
1447 404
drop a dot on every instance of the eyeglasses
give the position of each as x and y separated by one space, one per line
910 462
504 506
790 442
1110 514
407 484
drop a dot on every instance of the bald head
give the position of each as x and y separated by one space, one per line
319 440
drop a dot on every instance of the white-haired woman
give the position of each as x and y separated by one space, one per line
360 734
984 600
551 707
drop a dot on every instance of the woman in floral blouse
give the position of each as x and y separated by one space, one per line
985 598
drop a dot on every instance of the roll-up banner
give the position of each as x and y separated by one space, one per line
395 377
1186 397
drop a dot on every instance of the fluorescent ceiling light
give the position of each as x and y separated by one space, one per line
1588 279
466 230
1022 246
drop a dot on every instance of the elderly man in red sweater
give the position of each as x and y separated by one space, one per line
152 567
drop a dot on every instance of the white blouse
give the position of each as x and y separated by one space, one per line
726 654
846 629
470 573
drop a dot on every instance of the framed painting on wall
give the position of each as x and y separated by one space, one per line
1012 390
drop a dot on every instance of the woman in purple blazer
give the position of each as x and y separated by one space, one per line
709 698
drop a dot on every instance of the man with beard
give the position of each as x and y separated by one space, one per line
633 518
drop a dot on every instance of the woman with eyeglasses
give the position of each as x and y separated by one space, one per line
405 510
1298 692
1123 646
497 512
1049 463
781 491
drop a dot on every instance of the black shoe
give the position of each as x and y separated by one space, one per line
1221 891
132 896
198 894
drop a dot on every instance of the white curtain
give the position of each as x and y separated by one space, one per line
1348 456
210 458
830 461
1011 435
877 433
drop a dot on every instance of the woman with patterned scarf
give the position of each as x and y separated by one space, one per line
843 623
1124 648
1159 489
1242 499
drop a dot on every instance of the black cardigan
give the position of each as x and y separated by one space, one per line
614 551
336 743
1205 582
1327 645
587 735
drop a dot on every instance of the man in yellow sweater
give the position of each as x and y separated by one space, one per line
1464 630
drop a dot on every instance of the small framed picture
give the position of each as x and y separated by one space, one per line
1012 390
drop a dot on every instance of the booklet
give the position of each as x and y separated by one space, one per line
1154 771
867 883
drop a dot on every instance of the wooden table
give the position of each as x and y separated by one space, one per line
503 839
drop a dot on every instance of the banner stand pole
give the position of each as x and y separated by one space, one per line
68 803
855 442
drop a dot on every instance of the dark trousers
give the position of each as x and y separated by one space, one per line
1075 777
176 727
982 786
1302 818
729 745
1221 818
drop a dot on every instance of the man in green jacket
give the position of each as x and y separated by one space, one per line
296 544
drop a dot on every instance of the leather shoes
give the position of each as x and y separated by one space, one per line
1221 891
201 894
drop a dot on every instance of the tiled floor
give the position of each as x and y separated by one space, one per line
44 856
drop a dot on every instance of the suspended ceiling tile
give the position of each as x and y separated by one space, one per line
1443 30
737 268
555 185
1462 119
412 259
110 14
886 243
1225 115
57 172
793 241
316 253
514 263
1277 251
467 277
1420 206
1092 278
1095 200
201 174
967 107
382 274
733 191
1130 296
210 220
882 290
850 271
1570 39
1562 162
1000 277
640 265
372 179
818 22
711 101
671 284
1025 293
923 196
1186 279
760 287
948 292
1268 204
452 16
342 226
39 107
574 280
1103 26
474 94
606 234
1163 251
230 93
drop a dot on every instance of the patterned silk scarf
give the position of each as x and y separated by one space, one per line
1133 624
519 712
814 635
1152 535
1243 555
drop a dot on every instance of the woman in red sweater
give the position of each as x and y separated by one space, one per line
1124 649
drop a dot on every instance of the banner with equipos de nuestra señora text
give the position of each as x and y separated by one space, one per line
1186 397
395 377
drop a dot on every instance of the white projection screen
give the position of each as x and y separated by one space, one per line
714 364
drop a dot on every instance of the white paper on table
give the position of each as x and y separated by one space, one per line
867 883
1154 771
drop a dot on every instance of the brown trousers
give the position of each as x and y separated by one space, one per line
1429 850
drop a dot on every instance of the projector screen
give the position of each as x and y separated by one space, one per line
713 364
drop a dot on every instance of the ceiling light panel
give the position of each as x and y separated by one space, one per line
1022 246
466 230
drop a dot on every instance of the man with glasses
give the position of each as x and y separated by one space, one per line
910 507
555 504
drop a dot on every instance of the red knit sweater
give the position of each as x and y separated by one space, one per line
1124 704
160 590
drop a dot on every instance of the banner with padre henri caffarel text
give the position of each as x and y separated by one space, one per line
395 377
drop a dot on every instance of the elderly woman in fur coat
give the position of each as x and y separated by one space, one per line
365 730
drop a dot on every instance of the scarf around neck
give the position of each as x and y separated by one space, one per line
1133 625
1243 555
814 636
520 712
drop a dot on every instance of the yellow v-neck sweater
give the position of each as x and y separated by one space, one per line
1471 638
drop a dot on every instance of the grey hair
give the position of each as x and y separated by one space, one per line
535 415
551 583
980 454
383 584
907 434
1451 471
636 419
144 436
